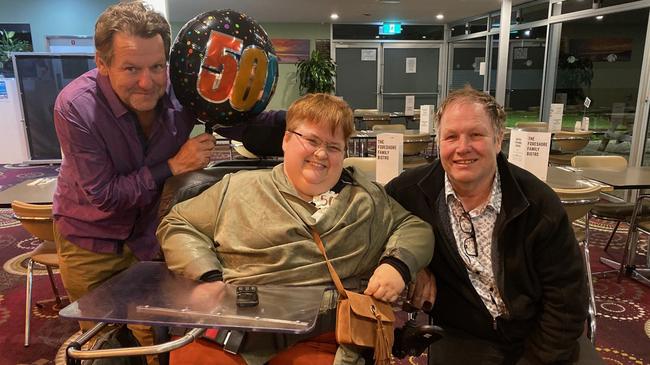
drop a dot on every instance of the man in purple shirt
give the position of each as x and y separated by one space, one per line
122 133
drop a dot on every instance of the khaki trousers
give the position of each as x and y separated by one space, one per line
83 270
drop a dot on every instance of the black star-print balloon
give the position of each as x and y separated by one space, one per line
223 67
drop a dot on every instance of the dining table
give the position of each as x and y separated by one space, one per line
566 177
359 140
35 191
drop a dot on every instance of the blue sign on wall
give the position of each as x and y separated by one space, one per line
3 90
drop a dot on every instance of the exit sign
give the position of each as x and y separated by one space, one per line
390 28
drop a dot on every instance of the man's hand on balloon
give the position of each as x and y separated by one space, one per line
385 284
193 155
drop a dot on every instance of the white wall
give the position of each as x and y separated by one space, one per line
13 140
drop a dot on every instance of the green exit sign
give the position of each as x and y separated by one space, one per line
390 28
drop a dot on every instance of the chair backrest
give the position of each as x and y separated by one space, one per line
577 202
188 185
366 165
35 218
532 126
607 162
568 141
394 128
264 140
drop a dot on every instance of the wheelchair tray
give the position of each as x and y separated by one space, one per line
149 293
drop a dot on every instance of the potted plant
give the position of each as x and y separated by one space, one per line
316 74
10 44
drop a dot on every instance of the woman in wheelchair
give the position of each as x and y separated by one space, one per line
254 228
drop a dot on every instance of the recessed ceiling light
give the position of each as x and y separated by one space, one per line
334 16
440 16
600 17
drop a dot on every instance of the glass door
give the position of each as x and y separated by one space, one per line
467 64
357 72
409 69
525 75
601 58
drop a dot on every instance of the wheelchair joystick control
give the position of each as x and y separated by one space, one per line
413 339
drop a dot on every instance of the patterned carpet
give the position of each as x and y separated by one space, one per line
623 319
623 334
48 331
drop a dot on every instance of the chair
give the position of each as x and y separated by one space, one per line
617 212
578 203
190 184
366 165
605 162
37 220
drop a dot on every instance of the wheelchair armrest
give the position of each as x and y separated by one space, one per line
74 350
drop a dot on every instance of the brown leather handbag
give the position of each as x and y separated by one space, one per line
361 320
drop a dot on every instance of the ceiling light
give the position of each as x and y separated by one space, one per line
334 16
440 16
600 17
527 33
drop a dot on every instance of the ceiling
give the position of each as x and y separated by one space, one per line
349 11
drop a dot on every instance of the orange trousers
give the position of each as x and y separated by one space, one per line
319 350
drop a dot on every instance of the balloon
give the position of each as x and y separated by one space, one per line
223 67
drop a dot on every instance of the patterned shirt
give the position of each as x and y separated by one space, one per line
473 235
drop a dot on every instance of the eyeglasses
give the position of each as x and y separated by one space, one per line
467 228
315 143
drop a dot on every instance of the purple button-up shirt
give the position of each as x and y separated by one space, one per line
109 186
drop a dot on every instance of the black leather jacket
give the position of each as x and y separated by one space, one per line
538 266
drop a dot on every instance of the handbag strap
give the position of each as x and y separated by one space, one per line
335 276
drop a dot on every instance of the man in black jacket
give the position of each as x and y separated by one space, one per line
511 287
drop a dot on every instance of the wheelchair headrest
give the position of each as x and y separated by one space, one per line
264 140
262 136
188 185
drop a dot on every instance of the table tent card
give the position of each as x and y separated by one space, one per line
409 105
426 119
390 151
529 150
555 118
